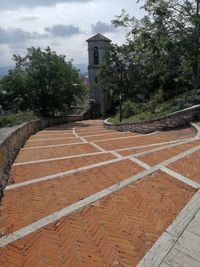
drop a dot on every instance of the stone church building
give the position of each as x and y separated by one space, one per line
96 49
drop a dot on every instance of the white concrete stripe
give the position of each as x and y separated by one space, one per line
154 144
49 146
117 133
170 172
141 163
74 132
181 178
161 148
197 129
55 131
161 248
98 147
61 174
47 139
111 151
122 138
76 206
117 155
60 158
56 134
68 210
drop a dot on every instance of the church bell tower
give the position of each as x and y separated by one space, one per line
96 49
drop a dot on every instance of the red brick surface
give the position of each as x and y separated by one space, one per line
157 157
24 205
54 152
147 140
115 231
20 173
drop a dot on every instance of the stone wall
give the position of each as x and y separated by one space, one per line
174 120
13 138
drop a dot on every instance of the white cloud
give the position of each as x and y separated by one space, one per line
60 22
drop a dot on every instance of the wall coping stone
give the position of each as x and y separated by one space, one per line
173 120
12 139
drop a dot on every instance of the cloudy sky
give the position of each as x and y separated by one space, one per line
64 25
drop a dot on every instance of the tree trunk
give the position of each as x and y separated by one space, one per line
197 44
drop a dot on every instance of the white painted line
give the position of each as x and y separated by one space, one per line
55 131
181 178
47 139
50 146
160 148
98 147
170 172
117 133
155 144
140 163
51 218
122 138
74 132
179 156
119 158
117 155
68 210
61 174
76 206
56 134
60 158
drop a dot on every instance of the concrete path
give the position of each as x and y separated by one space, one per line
82 195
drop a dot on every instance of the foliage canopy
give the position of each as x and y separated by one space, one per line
42 81
161 54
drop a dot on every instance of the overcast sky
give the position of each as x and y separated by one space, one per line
64 25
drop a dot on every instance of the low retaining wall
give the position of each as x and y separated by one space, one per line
174 120
13 138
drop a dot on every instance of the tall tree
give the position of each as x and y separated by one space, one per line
43 81
174 25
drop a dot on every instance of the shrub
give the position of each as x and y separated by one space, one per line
129 109
18 118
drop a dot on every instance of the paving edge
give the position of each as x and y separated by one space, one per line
165 243
97 196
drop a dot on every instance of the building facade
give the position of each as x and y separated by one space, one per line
96 49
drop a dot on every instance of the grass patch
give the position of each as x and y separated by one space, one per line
18 118
146 112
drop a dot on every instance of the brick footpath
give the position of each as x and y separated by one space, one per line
113 230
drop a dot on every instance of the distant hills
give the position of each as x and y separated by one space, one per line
4 69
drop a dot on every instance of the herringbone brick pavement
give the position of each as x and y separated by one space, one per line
109 136
54 152
130 152
51 136
157 157
24 205
52 142
188 166
147 140
115 231
20 173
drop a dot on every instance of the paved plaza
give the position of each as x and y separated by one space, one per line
82 195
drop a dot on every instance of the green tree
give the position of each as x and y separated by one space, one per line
43 81
170 32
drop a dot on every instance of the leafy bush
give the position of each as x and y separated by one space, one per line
129 109
18 118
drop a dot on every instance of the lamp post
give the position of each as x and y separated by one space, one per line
120 59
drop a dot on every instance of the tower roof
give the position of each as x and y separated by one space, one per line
98 37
